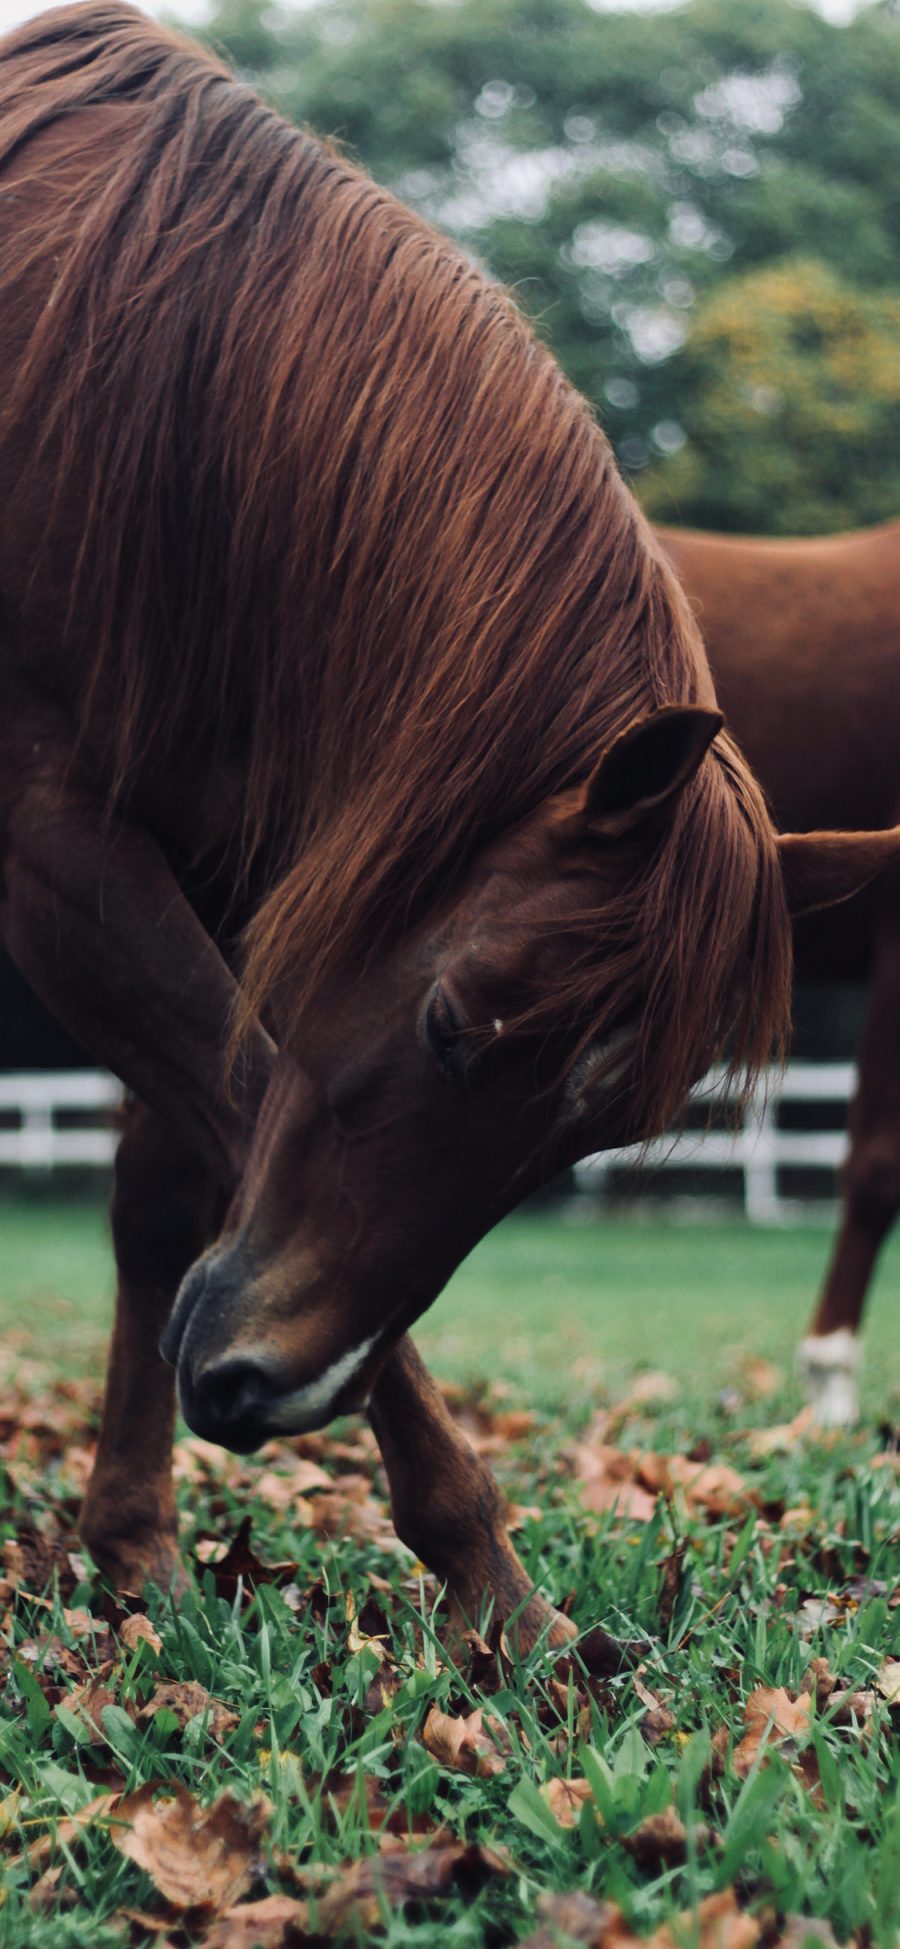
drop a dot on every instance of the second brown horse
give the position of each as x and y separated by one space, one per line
804 641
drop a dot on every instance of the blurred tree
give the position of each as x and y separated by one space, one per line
617 169
791 406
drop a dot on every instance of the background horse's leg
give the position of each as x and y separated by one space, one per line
446 1504
163 1215
99 927
829 1356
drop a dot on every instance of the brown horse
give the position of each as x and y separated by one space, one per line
328 627
804 641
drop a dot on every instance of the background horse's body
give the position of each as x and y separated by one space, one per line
804 640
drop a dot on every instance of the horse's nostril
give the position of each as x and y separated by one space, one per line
229 1397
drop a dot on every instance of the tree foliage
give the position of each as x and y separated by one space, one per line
670 195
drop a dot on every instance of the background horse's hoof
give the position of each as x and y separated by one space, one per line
828 1367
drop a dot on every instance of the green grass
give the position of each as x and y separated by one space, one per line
547 1303
561 1314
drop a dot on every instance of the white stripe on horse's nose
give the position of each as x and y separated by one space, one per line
311 1406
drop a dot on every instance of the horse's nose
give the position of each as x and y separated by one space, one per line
228 1399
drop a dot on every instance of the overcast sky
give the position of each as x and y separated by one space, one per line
12 11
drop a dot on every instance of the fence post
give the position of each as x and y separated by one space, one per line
760 1158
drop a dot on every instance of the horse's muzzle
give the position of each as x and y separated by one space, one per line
231 1400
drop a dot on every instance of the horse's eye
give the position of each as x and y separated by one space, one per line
444 1035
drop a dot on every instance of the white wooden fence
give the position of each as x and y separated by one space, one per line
758 1148
52 1119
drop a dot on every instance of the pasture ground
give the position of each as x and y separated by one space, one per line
747 1775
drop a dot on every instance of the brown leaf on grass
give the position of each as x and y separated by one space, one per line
357 1898
711 1486
781 1438
51 1661
606 1477
33 1561
773 1718
137 1629
198 1857
717 1923
277 1922
187 1698
338 1791
801 1932
819 1680
66 1832
46 1893
282 1488
575 1917
887 1680
348 1508
661 1839
88 1702
240 1564
759 1378
466 1744
721 1924
565 1799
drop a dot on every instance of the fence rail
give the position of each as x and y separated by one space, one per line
50 1118
759 1148
57 1119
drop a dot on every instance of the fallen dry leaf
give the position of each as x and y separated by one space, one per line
759 1377
198 1857
88 1701
661 1839
137 1629
466 1744
359 1895
717 1923
801 1932
66 1831
887 1680
241 1565
565 1799
575 1917
779 1439
773 1717
606 1477
712 1486
187 1698
277 1922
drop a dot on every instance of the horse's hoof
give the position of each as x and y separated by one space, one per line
828 1367
128 1567
605 1657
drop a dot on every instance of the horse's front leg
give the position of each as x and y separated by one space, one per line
163 1215
98 925
448 1508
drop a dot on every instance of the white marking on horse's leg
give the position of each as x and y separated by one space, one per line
828 1366
308 1407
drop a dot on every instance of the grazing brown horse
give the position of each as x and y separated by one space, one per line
334 651
804 642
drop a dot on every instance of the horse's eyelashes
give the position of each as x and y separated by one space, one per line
444 1035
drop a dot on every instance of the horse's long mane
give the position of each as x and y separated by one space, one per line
345 522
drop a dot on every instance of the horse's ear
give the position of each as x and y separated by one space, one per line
646 768
821 868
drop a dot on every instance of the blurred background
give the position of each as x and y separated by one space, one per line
699 207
